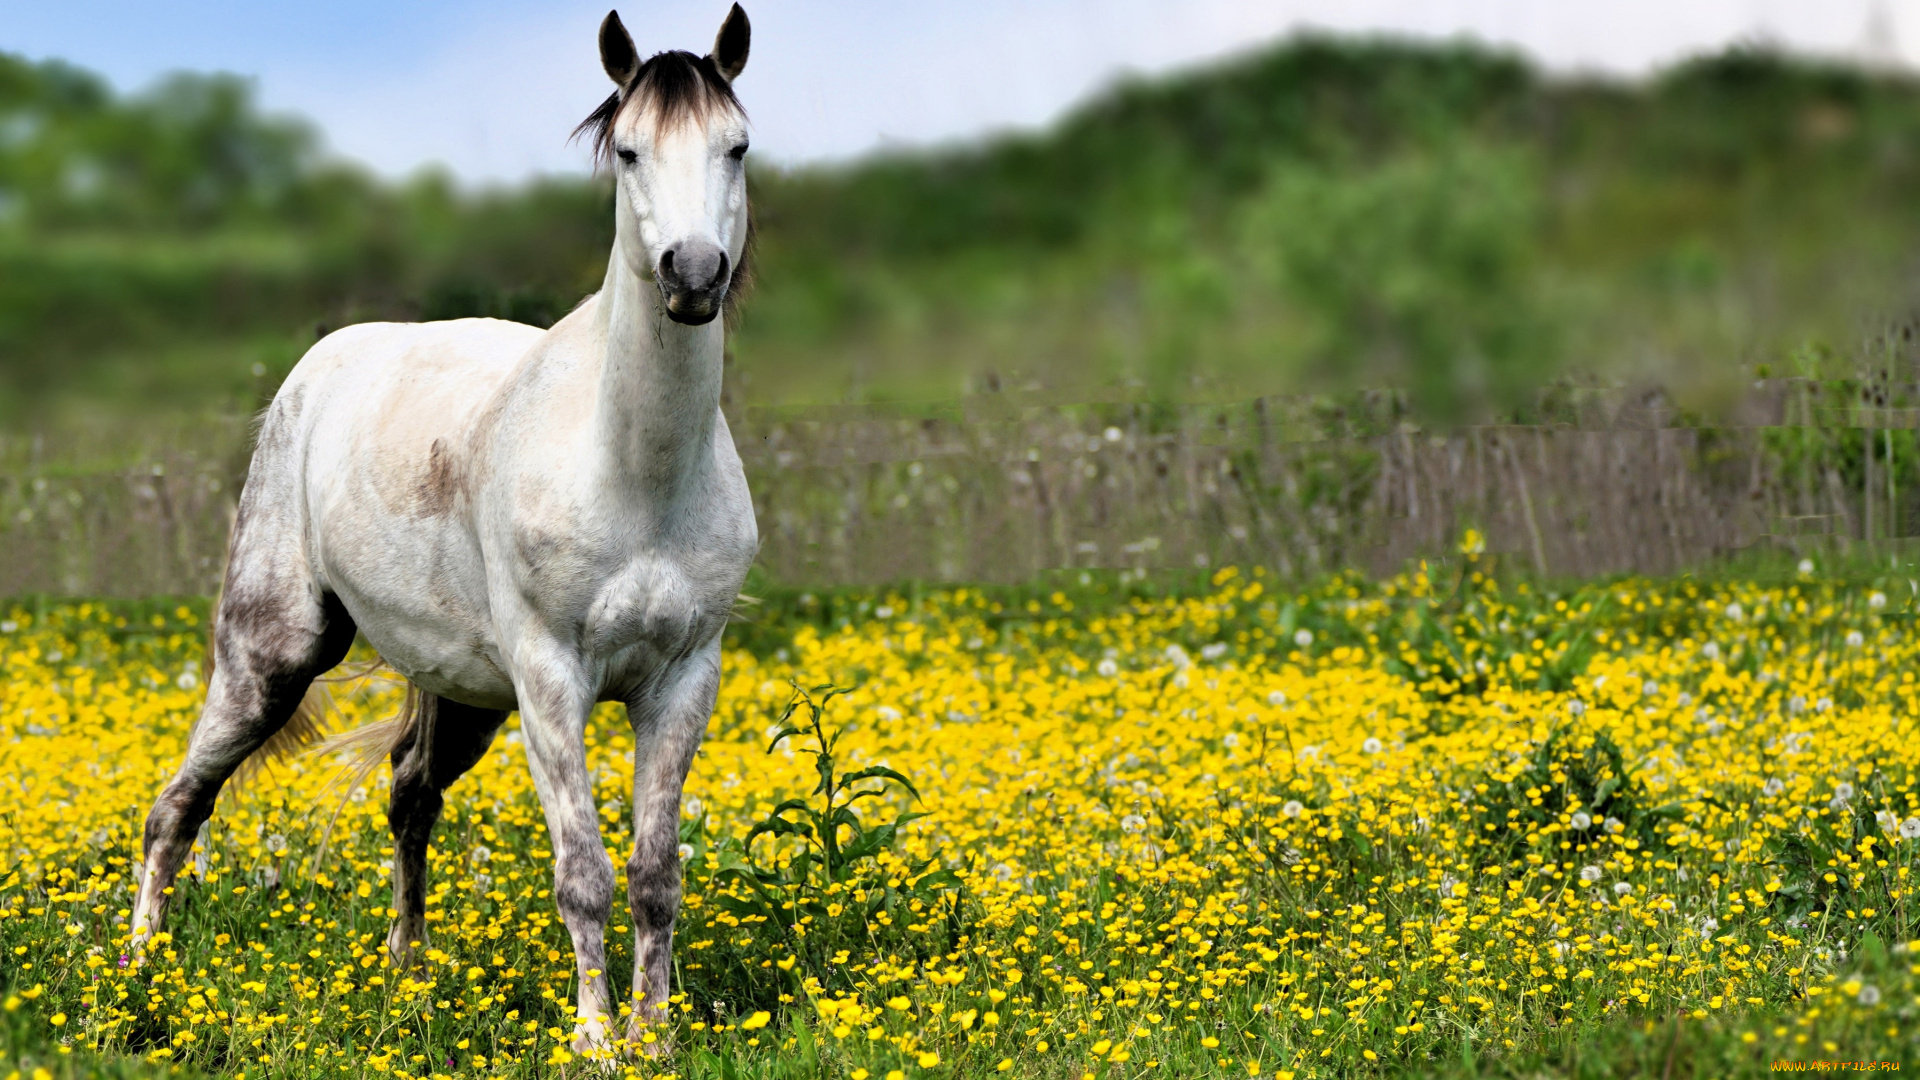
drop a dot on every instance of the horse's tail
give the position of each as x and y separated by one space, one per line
368 745
306 726
365 747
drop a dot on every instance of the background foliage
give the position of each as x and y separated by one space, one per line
1326 213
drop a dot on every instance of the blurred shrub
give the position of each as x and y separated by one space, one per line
1326 212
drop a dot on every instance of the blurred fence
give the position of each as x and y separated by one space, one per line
998 488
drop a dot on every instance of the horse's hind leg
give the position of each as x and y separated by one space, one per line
268 646
446 739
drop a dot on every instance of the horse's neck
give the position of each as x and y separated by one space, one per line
659 393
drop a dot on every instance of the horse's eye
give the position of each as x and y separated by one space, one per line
738 152
629 156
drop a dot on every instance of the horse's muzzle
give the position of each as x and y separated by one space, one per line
693 276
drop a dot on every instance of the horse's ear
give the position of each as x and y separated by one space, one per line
617 53
730 47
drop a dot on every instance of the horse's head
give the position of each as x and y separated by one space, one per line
676 139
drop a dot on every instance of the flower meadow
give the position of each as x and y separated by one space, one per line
1233 829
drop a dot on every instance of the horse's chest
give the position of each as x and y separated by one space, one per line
655 610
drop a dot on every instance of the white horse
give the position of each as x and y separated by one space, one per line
516 519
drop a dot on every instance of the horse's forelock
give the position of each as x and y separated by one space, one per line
671 88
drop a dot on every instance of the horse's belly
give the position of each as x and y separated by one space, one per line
462 667
423 607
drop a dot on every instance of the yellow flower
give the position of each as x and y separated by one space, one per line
755 1022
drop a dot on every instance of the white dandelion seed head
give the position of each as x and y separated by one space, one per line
1293 809
1132 823
1577 707
1887 822
1843 791
1622 888
1910 829
1708 925
1876 600
1773 787
1372 746
1736 612
1649 688
1806 566
1214 651
1590 873
276 843
1107 668
1002 872
1303 638
1231 739
694 806
1177 656
1710 650
481 855
1277 697
1615 825
1685 699
1855 639
1823 705
1582 820
1869 995
187 680
685 851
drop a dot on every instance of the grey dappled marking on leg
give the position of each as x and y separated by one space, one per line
554 704
668 728
446 740
265 659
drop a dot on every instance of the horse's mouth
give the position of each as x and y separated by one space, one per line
692 308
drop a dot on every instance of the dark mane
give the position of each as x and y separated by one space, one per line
674 86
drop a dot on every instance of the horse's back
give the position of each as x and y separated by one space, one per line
388 378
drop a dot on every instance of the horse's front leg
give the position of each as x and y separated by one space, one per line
555 699
667 728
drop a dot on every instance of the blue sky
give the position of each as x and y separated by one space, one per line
490 88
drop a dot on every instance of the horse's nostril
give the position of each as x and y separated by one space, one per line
666 265
720 275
